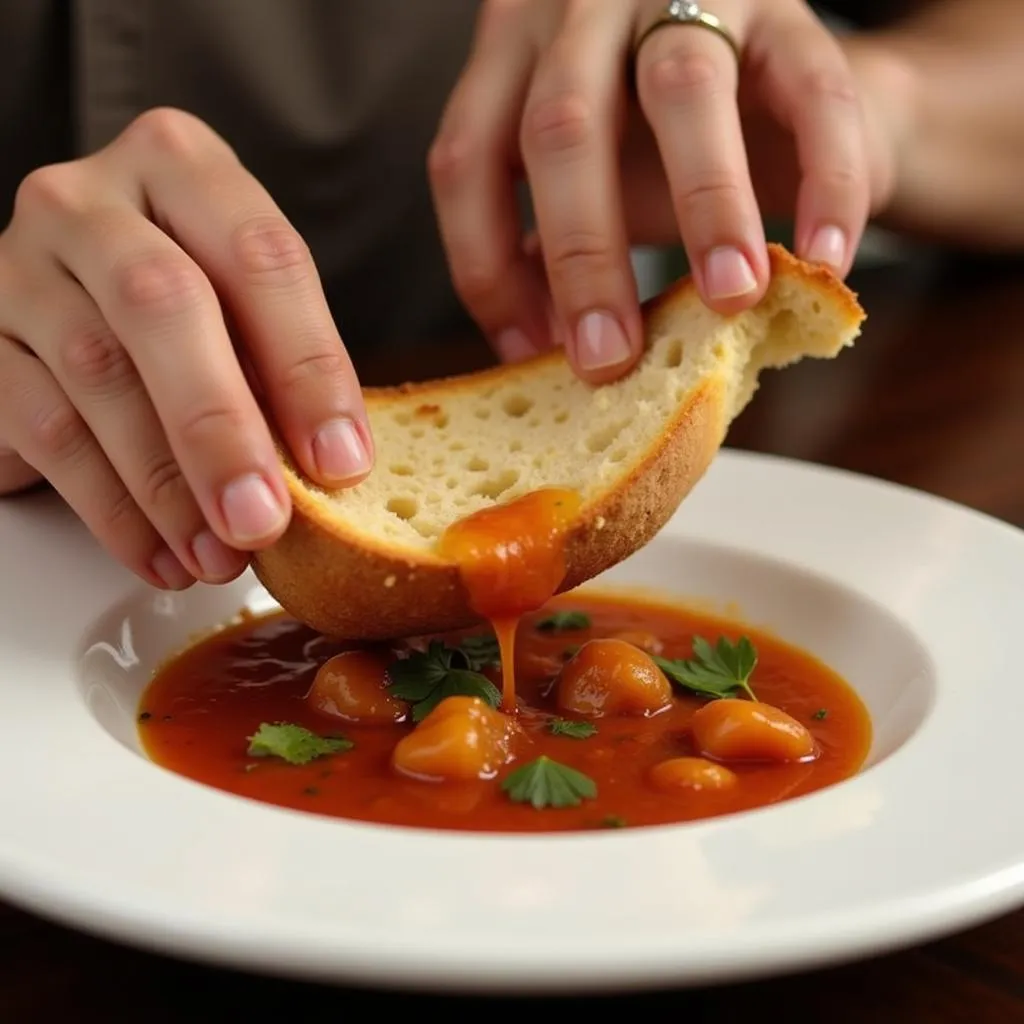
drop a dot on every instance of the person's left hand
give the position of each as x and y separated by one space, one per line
681 142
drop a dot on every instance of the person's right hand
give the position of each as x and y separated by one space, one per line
125 278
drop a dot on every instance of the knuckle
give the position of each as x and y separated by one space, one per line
558 124
269 245
163 484
474 279
325 367
58 432
57 188
161 284
450 158
210 425
680 76
171 132
716 192
829 83
581 252
91 356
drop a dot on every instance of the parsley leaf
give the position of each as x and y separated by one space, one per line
719 671
546 783
572 729
293 743
425 678
481 651
820 714
562 622
613 821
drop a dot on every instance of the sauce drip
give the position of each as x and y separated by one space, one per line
512 561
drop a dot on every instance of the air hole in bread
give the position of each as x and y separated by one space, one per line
783 323
482 413
404 507
477 465
618 455
457 446
516 405
561 416
495 487
674 354
403 419
515 446
718 350
417 432
533 421
451 483
401 469
601 439
816 306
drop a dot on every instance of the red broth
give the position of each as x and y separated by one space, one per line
198 713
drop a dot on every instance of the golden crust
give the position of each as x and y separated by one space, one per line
361 588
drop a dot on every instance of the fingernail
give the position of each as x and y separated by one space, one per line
170 571
217 561
514 346
251 510
828 246
728 274
601 342
340 452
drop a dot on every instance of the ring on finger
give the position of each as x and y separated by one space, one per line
685 12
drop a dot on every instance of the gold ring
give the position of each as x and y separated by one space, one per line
682 12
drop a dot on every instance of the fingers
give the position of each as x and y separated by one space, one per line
40 422
569 143
812 93
472 179
97 375
687 83
264 275
165 313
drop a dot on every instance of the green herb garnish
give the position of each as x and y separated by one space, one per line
613 821
425 678
564 622
481 651
572 729
294 744
546 783
720 671
820 714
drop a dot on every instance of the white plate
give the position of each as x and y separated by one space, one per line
919 603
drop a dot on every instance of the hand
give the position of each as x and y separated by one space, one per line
684 146
125 278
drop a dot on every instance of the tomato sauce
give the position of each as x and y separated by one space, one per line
198 713
511 557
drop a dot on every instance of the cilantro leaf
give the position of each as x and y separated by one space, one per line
563 622
481 651
293 743
546 783
569 727
719 671
425 678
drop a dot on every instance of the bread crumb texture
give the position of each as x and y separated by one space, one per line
449 448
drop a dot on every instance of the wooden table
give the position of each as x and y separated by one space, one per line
933 396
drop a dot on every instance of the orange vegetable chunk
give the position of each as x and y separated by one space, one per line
463 738
612 677
745 730
694 773
351 685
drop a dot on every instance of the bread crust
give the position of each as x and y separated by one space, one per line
357 587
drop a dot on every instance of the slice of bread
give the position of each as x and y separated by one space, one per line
361 563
